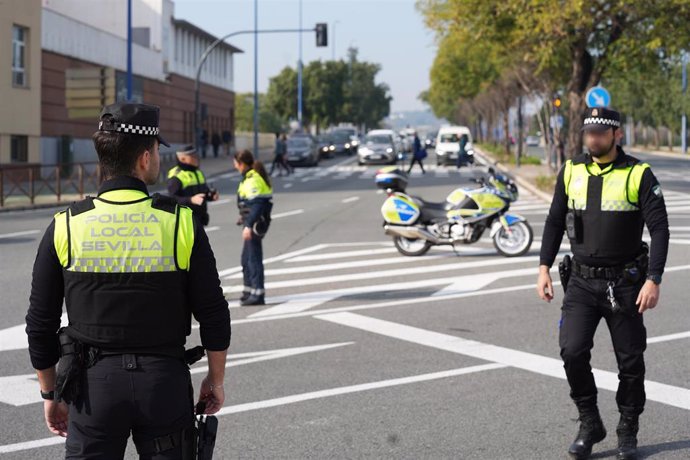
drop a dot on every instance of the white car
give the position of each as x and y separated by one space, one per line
378 147
448 143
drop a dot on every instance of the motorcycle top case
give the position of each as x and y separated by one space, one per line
392 178
400 209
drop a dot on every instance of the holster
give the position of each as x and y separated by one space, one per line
75 357
207 427
565 269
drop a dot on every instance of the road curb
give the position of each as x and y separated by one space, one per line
675 156
522 182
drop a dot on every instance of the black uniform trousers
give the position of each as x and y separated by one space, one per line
584 305
149 396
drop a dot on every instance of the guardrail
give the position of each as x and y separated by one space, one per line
36 180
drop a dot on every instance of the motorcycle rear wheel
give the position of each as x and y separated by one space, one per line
411 247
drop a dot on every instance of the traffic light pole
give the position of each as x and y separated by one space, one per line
197 82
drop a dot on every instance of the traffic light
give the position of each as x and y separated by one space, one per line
321 34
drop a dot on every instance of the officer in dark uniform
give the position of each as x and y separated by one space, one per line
187 183
603 200
132 269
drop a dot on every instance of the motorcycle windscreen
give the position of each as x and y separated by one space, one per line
399 209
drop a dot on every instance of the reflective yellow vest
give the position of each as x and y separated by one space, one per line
125 256
253 186
186 177
607 202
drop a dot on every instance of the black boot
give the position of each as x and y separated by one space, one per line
245 296
253 300
627 437
591 432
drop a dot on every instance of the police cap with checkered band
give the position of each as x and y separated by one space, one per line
601 119
131 118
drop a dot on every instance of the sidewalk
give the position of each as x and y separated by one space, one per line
212 167
526 176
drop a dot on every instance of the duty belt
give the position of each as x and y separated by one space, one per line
604 273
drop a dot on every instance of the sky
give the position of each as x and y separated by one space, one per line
388 32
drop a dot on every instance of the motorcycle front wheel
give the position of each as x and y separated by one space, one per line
514 242
411 247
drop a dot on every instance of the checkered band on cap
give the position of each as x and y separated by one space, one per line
602 121
133 129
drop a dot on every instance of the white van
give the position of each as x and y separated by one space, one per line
448 143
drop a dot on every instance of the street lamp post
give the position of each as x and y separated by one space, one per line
129 50
299 73
200 66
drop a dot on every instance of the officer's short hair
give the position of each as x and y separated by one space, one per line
118 152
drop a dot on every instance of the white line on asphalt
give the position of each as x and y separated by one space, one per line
390 273
346 265
341 255
659 392
287 214
223 201
15 234
229 271
669 337
414 300
292 399
270 355
211 229
301 302
287 185
351 199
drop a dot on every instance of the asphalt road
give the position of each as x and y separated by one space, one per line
364 353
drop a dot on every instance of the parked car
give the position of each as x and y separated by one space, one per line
378 147
448 143
326 147
302 150
532 141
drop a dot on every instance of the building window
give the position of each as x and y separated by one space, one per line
19 38
19 149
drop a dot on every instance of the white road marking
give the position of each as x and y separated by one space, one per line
20 390
390 273
669 337
287 214
301 302
345 265
255 357
351 199
219 202
212 229
229 271
15 234
287 185
341 255
292 399
659 392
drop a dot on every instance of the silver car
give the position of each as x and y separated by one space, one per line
377 148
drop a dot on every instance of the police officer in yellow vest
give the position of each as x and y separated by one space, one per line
602 201
187 183
132 270
254 201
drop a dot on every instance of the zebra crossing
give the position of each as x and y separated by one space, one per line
345 172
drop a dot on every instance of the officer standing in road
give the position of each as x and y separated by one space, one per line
254 200
187 183
132 269
603 199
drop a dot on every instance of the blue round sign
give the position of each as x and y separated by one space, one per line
598 96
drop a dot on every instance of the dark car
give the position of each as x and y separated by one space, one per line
302 150
342 142
326 147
